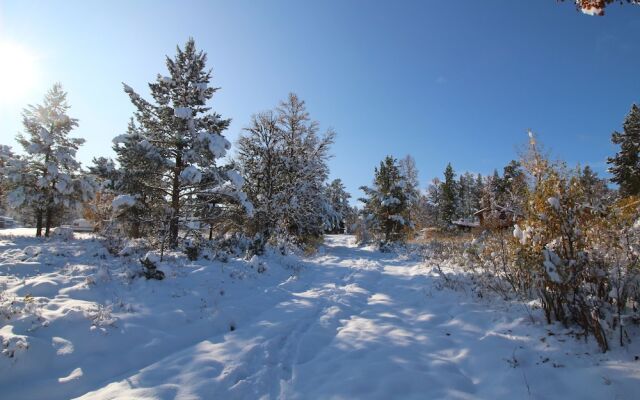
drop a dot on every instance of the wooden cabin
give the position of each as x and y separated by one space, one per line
497 216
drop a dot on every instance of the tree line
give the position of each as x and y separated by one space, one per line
170 178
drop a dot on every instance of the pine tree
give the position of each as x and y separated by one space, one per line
625 165
448 195
47 179
387 202
139 186
182 137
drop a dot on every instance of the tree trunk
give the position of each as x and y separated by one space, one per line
39 213
175 203
39 223
135 229
48 222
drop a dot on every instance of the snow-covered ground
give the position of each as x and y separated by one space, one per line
346 323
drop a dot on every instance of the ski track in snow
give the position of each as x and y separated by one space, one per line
349 323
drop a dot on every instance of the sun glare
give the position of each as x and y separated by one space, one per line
18 71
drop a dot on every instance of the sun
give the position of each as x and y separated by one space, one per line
18 71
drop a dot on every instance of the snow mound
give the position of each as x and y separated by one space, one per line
63 233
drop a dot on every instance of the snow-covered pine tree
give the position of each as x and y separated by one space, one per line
448 195
139 202
387 202
339 200
47 179
625 165
183 137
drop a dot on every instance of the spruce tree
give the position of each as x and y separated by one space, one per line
182 137
387 202
625 165
448 195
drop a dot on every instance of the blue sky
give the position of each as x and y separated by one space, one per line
445 81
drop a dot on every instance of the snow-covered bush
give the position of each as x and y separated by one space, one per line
150 266
575 253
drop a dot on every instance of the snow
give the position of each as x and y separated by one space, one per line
123 201
183 112
75 374
551 263
521 235
347 322
64 185
120 138
218 144
397 218
554 203
592 10
390 201
16 197
191 175
235 178
63 233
